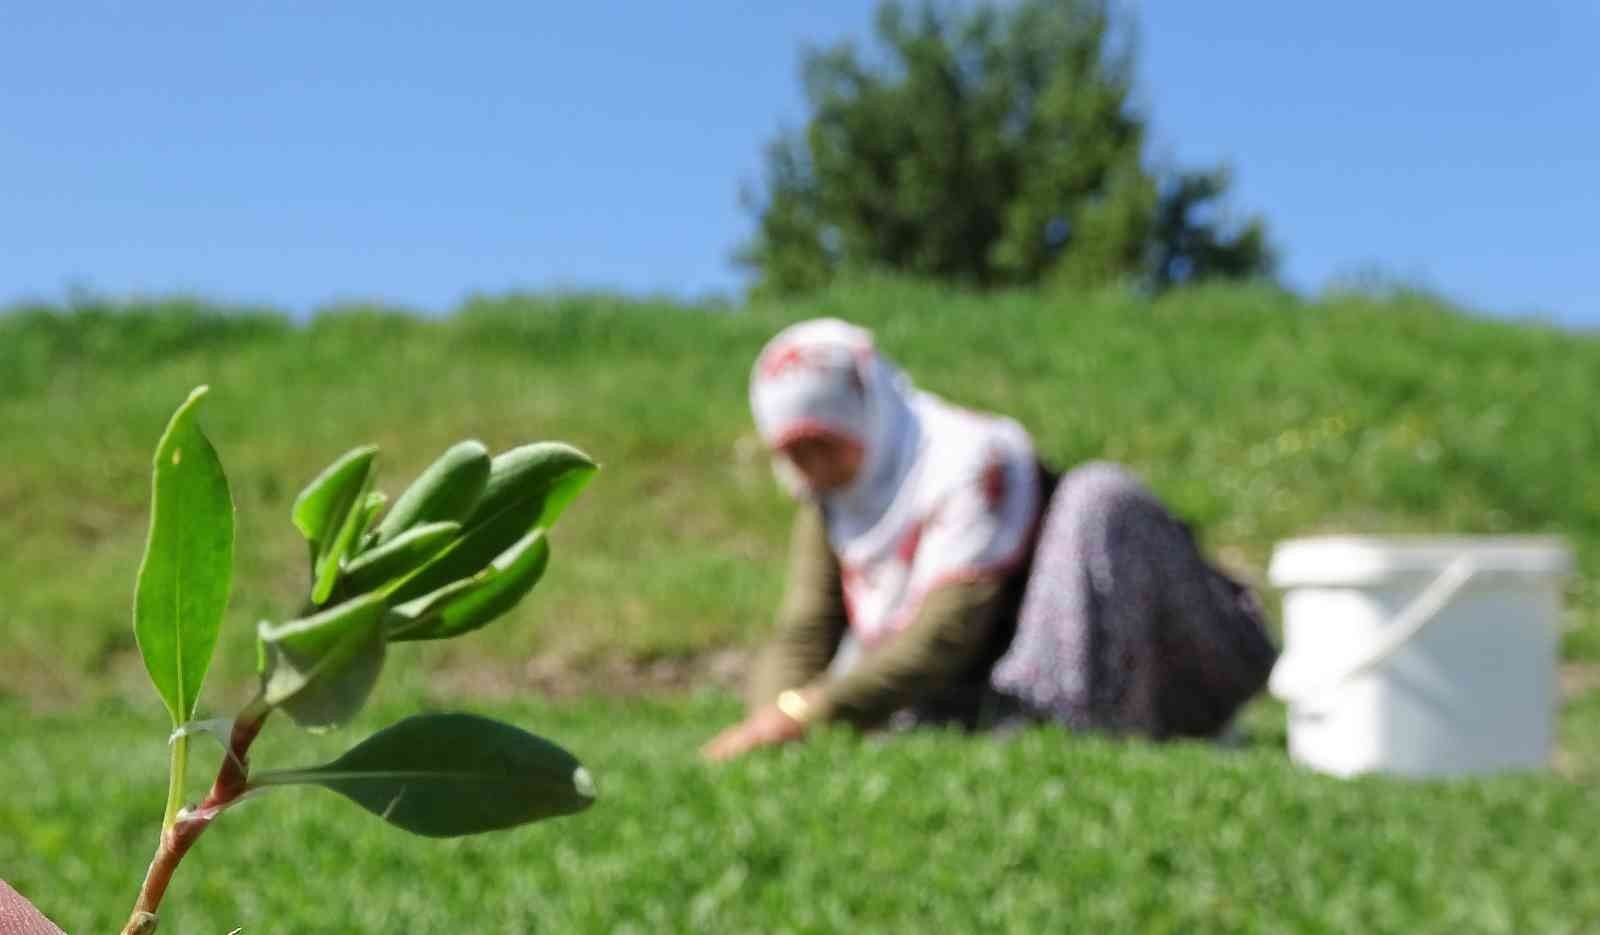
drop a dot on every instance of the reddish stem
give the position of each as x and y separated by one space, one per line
231 783
233 776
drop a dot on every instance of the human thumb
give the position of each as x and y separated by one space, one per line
18 917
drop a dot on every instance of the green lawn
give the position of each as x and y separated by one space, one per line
1258 416
1037 832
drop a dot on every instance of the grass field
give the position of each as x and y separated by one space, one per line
1039 832
1258 416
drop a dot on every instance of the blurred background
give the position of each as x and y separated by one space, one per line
1303 269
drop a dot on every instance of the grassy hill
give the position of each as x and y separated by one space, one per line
1258 416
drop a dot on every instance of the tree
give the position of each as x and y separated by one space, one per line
991 146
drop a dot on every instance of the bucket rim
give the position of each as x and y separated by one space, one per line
1358 559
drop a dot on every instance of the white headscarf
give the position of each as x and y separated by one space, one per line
943 494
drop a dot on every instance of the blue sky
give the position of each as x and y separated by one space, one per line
300 154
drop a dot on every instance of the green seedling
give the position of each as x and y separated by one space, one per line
458 548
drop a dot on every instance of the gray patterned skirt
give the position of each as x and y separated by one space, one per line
1125 627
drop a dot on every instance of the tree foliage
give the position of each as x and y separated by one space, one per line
989 146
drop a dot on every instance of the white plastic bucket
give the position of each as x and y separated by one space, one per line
1420 656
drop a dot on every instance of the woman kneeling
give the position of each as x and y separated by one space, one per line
939 573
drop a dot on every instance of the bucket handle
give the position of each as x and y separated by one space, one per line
1288 685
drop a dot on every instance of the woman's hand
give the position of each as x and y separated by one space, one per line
765 727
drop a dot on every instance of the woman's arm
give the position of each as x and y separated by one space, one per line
811 619
952 629
945 641
811 622
950 634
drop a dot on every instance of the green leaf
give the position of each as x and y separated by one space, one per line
445 492
342 548
320 669
329 513
443 775
528 489
187 569
405 553
320 509
369 516
550 474
468 605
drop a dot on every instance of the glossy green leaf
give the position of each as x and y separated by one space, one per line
187 569
405 553
550 474
469 604
445 492
444 775
369 519
320 508
528 489
321 669
329 513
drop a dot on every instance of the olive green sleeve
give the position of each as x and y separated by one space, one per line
941 645
811 619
